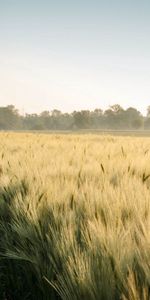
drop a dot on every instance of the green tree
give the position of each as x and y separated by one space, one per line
81 119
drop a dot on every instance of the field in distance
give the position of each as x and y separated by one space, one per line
133 133
74 217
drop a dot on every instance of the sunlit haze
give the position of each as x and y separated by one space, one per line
74 55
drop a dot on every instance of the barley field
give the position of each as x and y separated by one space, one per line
74 217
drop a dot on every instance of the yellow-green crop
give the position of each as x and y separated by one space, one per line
74 217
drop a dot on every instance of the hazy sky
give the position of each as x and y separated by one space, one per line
74 54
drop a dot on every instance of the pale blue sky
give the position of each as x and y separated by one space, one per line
74 54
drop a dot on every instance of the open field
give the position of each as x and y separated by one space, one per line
74 217
132 133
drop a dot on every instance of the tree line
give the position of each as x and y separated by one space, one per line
113 118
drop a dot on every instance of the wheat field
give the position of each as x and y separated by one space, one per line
74 217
